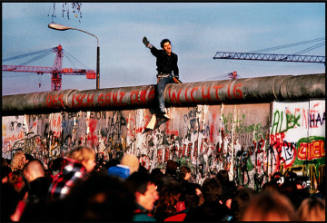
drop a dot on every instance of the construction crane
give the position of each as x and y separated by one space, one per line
56 70
277 57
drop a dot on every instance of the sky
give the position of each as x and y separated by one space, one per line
197 31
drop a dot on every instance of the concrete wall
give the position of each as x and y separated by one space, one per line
250 140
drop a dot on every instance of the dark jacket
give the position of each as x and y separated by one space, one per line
165 64
208 211
142 215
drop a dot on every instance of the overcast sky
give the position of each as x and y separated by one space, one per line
197 31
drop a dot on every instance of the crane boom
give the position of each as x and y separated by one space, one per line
41 70
270 57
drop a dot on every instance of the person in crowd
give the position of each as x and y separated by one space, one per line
199 194
157 177
270 185
37 190
184 174
239 202
171 169
38 181
99 198
16 176
128 165
187 201
212 209
18 161
269 206
228 187
145 192
55 166
9 200
169 202
312 209
289 188
79 163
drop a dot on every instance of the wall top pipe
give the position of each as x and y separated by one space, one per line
269 88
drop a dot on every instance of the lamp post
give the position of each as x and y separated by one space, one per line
64 28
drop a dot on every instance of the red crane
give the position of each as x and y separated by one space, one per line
56 70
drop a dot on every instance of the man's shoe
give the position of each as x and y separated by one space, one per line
165 116
152 122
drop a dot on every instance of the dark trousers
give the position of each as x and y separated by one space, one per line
161 84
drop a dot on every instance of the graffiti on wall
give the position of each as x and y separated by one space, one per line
297 139
250 141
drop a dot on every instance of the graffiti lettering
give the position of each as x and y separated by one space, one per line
314 121
292 121
311 150
52 100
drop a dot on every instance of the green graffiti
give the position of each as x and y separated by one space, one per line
241 128
249 164
290 122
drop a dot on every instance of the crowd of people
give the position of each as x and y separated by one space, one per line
80 187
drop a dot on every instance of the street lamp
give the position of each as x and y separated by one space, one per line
64 28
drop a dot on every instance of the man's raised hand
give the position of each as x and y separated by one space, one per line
146 42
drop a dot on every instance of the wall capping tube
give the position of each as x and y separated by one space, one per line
263 89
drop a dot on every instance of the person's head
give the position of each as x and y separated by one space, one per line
145 191
100 198
33 170
222 175
212 190
240 200
185 173
166 45
18 161
171 167
131 161
312 209
85 156
56 165
269 206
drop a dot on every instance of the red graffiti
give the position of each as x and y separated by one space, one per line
192 91
233 91
52 100
206 96
92 137
237 91
312 150
217 87
159 155
134 97
143 96
166 154
277 139
173 97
